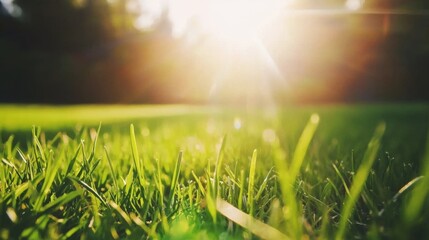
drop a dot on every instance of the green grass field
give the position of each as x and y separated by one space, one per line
182 172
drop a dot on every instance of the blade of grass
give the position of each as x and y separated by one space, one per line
302 146
112 171
248 222
85 159
264 184
287 177
60 201
16 193
27 163
420 192
401 191
8 146
360 179
337 171
240 194
37 145
324 228
250 190
128 182
94 144
160 186
175 178
147 204
87 187
231 175
334 187
71 232
210 201
149 231
13 167
121 212
200 185
218 168
135 154
51 173
190 194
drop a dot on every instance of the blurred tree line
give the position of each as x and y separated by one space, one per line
71 51
83 51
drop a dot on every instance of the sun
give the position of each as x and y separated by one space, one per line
237 20
227 39
231 34
232 21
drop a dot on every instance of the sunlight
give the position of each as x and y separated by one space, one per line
11 8
148 12
354 4
237 21
233 21
258 52
228 34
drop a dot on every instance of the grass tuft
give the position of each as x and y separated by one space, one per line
166 177
359 180
287 178
420 192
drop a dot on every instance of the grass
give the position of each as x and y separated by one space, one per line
174 172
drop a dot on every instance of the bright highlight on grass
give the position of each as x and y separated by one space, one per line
255 226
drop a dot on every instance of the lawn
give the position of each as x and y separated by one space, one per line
190 172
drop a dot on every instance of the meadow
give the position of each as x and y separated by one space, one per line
195 172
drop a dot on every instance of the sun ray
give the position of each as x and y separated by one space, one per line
270 62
